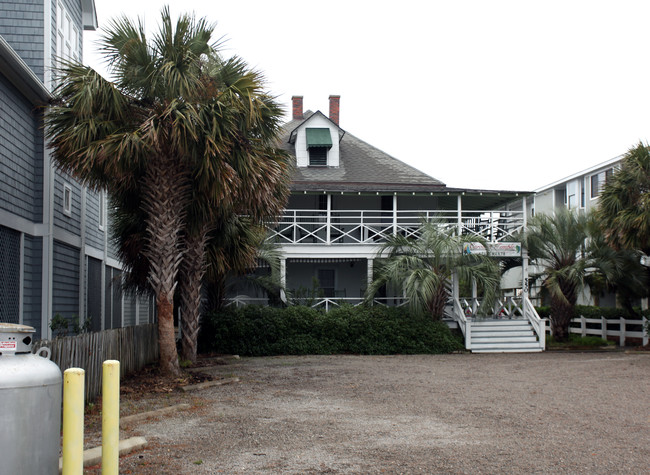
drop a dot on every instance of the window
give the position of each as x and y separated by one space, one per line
67 36
102 209
318 157
67 200
582 193
598 181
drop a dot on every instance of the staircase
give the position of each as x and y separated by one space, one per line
503 336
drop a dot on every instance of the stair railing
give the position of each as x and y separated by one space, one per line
464 323
538 324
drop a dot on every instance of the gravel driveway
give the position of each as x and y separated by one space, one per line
462 413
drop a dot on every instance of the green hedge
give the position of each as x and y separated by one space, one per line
298 330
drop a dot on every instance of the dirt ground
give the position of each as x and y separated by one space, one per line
503 413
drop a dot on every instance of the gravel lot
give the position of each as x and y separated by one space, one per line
503 413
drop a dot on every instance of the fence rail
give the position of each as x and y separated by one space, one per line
624 328
134 347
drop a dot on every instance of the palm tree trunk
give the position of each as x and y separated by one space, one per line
165 195
192 272
438 302
561 315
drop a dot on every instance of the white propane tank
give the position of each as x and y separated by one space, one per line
30 405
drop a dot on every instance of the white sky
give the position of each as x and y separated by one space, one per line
478 94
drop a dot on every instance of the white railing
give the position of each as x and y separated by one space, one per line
465 310
539 325
465 325
580 326
368 227
326 303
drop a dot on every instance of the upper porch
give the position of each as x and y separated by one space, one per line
356 219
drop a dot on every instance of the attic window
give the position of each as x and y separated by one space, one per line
318 142
318 157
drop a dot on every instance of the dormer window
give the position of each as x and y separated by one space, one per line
319 141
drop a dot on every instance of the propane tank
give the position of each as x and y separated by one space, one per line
30 405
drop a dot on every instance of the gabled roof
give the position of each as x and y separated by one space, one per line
294 132
362 168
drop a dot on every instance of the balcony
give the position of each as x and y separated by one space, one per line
337 227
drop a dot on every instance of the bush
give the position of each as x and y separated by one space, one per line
299 330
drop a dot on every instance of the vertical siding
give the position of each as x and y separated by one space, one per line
21 158
22 25
33 251
65 286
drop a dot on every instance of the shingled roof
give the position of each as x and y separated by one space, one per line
362 168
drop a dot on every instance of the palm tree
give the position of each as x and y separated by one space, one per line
423 266
568 251
169 127
624 204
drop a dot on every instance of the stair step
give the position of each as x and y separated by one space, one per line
504 329
509 350
484 346
505 339
486 334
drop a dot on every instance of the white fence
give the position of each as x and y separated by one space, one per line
615 327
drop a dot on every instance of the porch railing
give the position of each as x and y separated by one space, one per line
368 227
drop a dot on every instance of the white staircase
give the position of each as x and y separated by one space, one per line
503 336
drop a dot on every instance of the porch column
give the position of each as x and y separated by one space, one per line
524 281
329 218
369 273
460 215
394 214
523 207
283 279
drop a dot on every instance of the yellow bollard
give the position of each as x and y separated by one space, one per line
111 417
73 421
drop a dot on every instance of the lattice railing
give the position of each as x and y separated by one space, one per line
368 227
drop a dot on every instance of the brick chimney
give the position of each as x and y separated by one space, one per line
297 107
334 109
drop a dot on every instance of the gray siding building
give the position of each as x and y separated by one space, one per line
56 255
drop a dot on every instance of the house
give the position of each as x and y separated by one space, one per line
56 256
578 191
348 196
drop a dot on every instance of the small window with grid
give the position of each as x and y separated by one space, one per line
318 157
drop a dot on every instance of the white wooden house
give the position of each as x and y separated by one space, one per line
347 196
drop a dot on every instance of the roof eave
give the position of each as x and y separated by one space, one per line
21 76
89 15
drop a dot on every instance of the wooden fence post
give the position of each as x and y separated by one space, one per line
645 329
621 338
603 327
583 326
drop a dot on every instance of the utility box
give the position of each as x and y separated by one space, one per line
30 405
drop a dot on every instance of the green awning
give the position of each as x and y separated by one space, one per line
319 138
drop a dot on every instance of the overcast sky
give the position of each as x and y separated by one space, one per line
476 93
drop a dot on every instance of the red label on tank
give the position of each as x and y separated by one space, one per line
7 345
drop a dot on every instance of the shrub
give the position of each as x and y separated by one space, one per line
299 330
